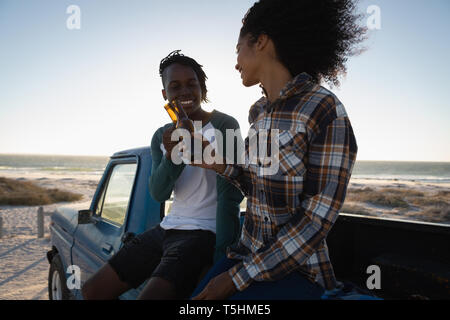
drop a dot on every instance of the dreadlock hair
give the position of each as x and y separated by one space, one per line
177 57
311 36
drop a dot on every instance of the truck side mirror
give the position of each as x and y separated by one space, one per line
85 217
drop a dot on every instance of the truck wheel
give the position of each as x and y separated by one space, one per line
57 288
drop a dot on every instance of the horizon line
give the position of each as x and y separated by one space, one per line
108 156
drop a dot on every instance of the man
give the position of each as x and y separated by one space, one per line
203 219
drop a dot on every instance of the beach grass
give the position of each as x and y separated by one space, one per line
383 197
355 209
429 206
436 214
15 192
443 193
402 192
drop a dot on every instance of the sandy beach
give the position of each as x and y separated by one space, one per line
23 263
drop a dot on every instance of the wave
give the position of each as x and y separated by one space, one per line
68 169
52 171
410 178
81 169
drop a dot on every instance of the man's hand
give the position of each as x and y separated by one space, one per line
218 288
167 141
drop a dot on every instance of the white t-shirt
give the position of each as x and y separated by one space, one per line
195 195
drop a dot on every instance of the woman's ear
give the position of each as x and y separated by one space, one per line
262 41
264 44
163 91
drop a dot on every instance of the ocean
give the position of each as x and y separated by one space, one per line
54 165
431 172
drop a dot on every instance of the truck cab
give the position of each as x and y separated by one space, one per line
87 235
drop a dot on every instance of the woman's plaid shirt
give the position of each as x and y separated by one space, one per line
290 213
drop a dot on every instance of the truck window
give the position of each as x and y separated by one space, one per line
114 201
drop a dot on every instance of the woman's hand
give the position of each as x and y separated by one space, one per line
208 157
218 288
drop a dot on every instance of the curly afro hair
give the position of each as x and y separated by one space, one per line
313 36
177 57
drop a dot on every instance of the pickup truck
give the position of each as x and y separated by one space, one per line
413 258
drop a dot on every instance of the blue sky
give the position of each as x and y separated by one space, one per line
97 90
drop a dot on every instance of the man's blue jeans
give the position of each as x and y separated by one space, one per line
292 287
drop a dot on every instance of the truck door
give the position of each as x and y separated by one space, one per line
96 243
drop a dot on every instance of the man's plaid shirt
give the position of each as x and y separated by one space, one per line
290 213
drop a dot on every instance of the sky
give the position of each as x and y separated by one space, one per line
96 90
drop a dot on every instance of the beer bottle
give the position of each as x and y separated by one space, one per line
181 121
179 116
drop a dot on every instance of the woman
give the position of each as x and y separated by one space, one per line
288 47
203 219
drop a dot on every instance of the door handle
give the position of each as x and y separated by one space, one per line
107 248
